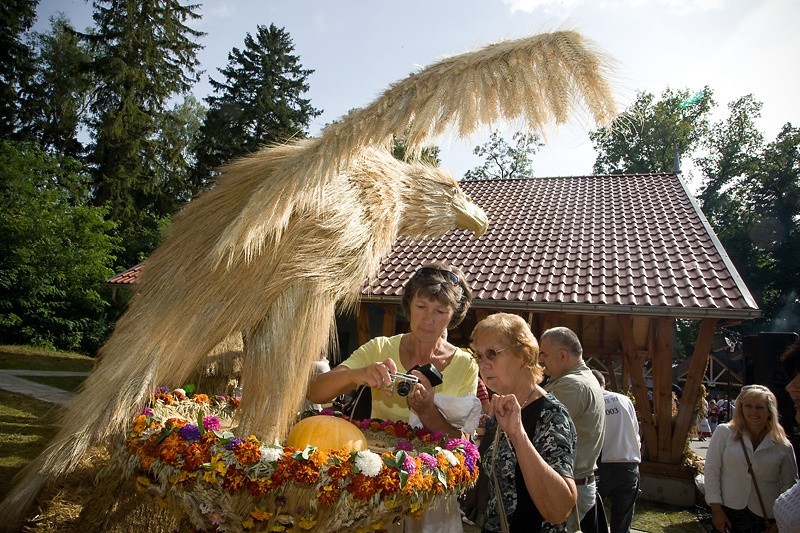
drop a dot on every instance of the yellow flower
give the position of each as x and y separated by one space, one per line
248 523
261 515
217 467
306 522
142 483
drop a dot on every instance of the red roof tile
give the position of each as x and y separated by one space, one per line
129 277
634 244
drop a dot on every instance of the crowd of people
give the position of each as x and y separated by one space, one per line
554 443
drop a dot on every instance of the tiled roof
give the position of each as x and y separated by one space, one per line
129 277
632 244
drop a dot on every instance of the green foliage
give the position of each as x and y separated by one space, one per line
55 98
138 68
647 136
16 17
54 252
751 196
259 102
428 154
504 161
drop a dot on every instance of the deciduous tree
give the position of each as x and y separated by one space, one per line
55 251
502 160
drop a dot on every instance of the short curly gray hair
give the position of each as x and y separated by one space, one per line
441 282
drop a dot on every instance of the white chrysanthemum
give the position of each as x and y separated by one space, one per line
368 463
450 456
270 454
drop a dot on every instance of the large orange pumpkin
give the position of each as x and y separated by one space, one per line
326 433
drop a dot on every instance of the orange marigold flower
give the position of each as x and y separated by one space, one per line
201 398
305 472
140 423
196 454
248 452
328 494
387 481
234 479
361 487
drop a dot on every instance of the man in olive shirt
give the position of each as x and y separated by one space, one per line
574 385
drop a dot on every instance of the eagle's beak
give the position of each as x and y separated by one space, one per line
472 218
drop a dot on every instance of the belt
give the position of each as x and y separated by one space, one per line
585 480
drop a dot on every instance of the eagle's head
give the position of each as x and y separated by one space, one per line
426 200
434 204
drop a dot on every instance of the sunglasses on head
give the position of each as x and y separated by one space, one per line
428 271
489 354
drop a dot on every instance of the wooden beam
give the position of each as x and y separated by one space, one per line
389 320
480 314
691 390
661 360
635 366
362 323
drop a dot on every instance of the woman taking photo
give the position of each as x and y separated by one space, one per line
533 444
435 299
741 497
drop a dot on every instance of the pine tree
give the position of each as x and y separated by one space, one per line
16 18
55 98
144 55
259 102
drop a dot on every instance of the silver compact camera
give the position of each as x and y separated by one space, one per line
403 383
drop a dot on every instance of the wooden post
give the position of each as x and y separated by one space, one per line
362 324
635 366
389 320
661 361
691 390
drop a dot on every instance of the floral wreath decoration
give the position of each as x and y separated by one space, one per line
180 454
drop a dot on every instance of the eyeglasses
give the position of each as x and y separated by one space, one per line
428 271
489 354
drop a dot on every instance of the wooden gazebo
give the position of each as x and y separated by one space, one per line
617 258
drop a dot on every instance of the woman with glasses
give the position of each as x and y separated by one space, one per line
435 299
741 497
787 506
533 445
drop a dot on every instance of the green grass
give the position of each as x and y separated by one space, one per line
67 383
655 517
26 426
29 358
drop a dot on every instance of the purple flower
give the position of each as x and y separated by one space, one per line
189 432
404 445
327 412
233 443
162 389
211 423
146 411
364 424
428 459
409 466
469 462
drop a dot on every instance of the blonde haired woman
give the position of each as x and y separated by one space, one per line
533 456
754 436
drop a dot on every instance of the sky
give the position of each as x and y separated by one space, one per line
357 48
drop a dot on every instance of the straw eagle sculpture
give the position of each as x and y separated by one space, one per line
289 234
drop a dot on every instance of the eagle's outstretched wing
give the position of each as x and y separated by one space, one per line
540 79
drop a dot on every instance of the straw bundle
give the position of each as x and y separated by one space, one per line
288 235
